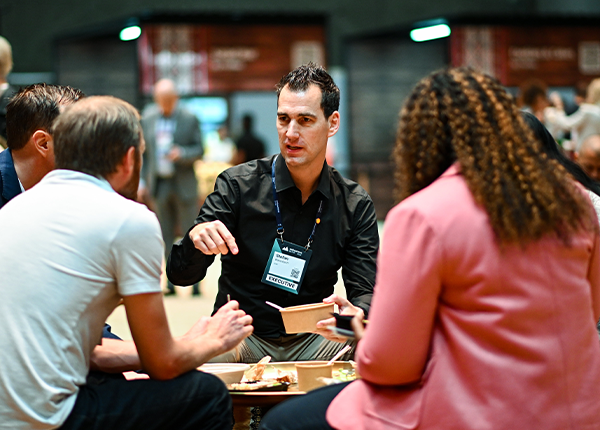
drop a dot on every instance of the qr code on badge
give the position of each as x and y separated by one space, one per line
295 273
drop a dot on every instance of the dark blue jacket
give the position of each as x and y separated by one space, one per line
9 182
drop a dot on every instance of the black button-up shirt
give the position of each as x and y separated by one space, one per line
347 237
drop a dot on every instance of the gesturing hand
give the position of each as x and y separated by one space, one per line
213 238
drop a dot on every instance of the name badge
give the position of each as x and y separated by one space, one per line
286 266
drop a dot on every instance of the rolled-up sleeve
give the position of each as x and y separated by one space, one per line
359 266
187 265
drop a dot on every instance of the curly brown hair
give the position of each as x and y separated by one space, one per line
465 116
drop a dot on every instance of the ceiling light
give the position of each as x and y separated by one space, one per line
130 33
430 33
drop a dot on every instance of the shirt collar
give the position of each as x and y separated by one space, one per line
284 180
73 175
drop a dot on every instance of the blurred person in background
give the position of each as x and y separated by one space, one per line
218 147
248 146
584 122
65 272
588 156
488 281
579 97
587 177
532 98
174 143
6 90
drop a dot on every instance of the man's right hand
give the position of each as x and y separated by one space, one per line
164 357
229 325
213 238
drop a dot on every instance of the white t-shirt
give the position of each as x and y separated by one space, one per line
70 248
595 202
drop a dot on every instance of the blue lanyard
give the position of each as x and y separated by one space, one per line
278 210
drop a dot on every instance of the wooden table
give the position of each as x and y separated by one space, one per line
261 401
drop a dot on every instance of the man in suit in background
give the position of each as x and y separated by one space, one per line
30 153
173 143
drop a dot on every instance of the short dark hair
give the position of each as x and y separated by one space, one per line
301 77
531 91
93 135
35 108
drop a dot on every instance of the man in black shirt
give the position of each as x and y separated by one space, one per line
262 208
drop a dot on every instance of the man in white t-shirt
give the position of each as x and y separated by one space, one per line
71 249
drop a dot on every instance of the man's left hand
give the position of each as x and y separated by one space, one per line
346 308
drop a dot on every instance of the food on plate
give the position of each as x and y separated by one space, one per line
256 372
289 377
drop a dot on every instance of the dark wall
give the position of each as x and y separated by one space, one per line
99 66
381 73
33 25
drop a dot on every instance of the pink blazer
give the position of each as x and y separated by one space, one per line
464 335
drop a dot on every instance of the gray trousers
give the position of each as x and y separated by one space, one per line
297 347
175 214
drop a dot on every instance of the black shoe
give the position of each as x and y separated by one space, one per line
196 290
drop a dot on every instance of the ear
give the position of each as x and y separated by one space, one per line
128 162
43 143
576 156
334 123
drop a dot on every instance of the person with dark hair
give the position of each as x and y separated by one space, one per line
248 146
91 249
533 97
30 157
578 171
284 226
488 281
30 154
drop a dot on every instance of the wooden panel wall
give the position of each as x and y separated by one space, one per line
226 58
559 56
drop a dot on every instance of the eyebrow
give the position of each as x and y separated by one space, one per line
311 115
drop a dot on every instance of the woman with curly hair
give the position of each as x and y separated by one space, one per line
488 283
